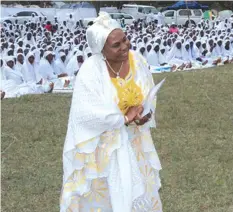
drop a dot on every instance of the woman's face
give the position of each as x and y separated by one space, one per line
227 45
142 50
20 58
117 46
178 45
49 58
211 42
198 44
80 59
29 35
63 58
148 48
31 59
219 42
169 42
156 48
145 39
162 51
10 63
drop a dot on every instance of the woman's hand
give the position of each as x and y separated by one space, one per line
142 120
133 113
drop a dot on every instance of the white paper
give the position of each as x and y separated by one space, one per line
150 97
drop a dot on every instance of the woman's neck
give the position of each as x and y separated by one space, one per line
115 64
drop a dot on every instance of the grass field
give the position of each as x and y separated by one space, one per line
194 140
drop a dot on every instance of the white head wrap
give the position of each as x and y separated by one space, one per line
48 53
97 34
9 58
61 54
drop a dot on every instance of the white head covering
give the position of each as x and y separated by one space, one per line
9 58
48 53
61 54
30 71
97 34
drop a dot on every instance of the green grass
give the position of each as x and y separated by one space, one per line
194 139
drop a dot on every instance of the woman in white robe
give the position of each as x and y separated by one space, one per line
11 73
46 70
107 165
75 64
228 51
187 55
197 57
29 39
13 83
36 53
220 51
148 49
163 55
32 76
19 62
59 63
153 56
141 49
210 53
175 56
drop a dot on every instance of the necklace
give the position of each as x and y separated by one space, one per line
116 73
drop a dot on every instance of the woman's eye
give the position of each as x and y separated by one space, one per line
116 45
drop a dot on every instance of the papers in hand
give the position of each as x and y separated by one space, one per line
147 105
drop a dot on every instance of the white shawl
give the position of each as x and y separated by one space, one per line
73 64
30 71
153 57
93 112
175 52
15 75
186 54
46 70
60 66
163 57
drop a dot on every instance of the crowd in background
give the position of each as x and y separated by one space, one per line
39 57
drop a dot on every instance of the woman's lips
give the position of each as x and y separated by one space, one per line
125 54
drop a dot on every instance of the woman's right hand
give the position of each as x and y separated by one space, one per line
134 112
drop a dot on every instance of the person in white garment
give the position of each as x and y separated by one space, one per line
13 83
11 73
19 62
29 39
31 74
75 64
46 70
187 55
160 18
70 22
46 67
228 53
60 66
33 18
175 56
153 56
106 133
